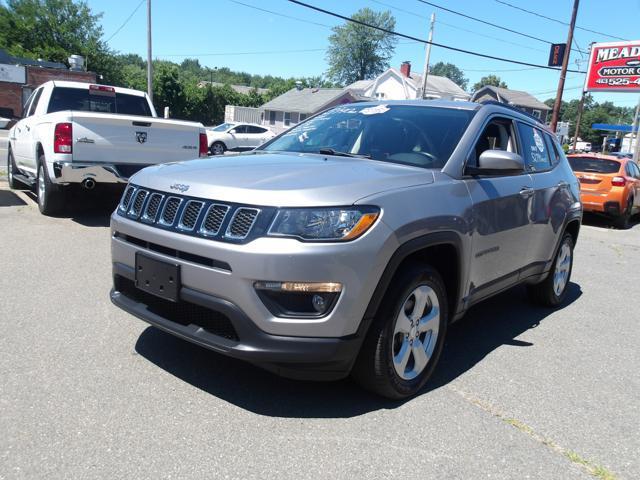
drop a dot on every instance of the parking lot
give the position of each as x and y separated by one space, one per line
91 392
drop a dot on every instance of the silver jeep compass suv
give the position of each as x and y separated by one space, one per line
347 244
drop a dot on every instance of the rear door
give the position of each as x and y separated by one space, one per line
501 206
634 174
24 149
256 135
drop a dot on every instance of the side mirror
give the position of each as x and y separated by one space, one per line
497 162
233 131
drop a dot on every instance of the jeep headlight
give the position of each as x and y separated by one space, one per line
324 224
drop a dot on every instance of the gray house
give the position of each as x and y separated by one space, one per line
293 106
516 98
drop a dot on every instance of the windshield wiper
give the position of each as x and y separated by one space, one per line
337 153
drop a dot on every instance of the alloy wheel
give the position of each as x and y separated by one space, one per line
416 332
563 266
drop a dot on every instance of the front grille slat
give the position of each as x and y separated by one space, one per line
152 208
241 223
190 215
138 201
170 211
194 216
213 219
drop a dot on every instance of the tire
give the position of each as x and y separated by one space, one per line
387 363
11 171
50 196
552 291
217 148
623 222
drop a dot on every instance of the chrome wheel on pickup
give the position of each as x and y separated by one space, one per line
49 194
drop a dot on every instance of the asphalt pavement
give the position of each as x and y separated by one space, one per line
87 391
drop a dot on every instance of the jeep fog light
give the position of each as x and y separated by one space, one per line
298 299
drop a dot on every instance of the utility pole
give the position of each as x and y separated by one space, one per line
565 64
578 119
149 64
636 128
425 72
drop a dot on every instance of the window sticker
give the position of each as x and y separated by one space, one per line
539 141
374 110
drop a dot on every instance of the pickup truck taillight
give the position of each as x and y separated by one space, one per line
204 145
62 138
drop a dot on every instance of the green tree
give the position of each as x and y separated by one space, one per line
450 71
492 80
357 52
53 30
168 90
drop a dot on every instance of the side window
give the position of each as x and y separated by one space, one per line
27 104
636 169
254 129
34 102
553 150
534 148
497 135
241 129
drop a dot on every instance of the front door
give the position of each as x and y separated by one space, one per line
501 221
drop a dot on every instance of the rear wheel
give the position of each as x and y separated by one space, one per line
217 148
50 196
11 171
553 289
406 338
624 221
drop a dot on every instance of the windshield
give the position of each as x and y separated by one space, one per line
222 128
83 100
596 165
407 134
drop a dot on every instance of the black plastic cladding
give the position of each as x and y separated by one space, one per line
260 227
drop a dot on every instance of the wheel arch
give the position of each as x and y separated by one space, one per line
441 250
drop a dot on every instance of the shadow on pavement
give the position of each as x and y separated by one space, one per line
602 221
496 322
10 199
89 208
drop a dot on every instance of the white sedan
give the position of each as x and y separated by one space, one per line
237 136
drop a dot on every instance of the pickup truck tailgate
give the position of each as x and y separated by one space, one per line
130 139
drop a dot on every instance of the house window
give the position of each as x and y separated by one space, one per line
537 113
287 119
272 117
303 116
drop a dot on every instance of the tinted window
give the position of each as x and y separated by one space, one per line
596 165
553 150
497 135
34 102
254 129
534 148
82 100
412 135
635 171
240 129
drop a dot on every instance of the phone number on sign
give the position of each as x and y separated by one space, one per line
617 81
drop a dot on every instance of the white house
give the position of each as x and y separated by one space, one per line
403 84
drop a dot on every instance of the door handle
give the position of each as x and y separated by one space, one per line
27 128
526 192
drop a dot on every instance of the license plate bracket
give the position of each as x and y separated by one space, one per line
157 277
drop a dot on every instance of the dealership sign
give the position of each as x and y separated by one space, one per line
614 67
12 73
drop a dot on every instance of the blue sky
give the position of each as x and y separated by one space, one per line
220 32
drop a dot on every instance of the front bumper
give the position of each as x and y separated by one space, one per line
221 326
74 172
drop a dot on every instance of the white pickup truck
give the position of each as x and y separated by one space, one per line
78 133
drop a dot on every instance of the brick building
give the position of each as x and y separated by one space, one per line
20 76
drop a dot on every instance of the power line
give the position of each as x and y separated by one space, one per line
280 14
440 22
486 22
556 20
264 52
125 22
409 37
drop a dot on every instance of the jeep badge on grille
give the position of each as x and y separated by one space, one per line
180 187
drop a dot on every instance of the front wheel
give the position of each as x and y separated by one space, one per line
11 171
404 342
49 194
553 289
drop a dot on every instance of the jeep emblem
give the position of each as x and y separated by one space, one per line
180 187
141 137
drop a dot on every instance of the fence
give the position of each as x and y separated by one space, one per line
233 113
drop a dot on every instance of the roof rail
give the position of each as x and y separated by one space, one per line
512 107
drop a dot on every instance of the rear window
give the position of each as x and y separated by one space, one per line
596 165
63 98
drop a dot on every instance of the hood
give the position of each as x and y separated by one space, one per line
281 179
